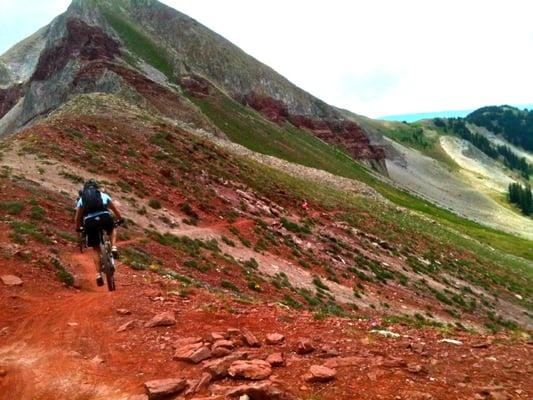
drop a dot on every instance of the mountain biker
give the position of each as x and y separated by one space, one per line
92 215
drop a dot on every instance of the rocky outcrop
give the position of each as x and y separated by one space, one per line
84 42
9 97
336 131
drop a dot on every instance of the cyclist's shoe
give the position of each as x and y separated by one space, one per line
114 251
99 280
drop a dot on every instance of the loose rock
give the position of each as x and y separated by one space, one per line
193 353
162 388
275 359
11 280
318 373
249 338
275 338
305 346
252 369
164 319
124 311
126 326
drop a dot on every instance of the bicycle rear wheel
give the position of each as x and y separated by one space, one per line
110 279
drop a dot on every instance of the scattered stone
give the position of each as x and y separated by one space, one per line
451 341
385 333
11 280
318 373
305 346
214 336
126 326
275 338
394 362
418 347
164 319
162 388
249 338
220 352
3 372
97 360
250 369
219 368
375 375
203 382
275 360
328 352
72 324
124 311
233 332
227 344
193 353
414 368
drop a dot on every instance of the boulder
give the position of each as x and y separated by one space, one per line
305 346
249 338
318 373
162 388
250 369
275 338
193 353
164 319
11 280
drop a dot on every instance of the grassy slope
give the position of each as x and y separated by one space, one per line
138 43
247 128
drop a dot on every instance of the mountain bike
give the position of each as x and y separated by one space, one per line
107 262
82 241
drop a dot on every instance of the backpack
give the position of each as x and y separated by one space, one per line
92 200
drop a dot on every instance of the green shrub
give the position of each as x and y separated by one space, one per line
154 203
11 207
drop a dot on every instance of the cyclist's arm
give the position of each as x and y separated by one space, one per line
115 210
78 217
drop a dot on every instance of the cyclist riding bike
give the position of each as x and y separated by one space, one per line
93 216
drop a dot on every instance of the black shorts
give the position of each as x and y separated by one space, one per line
93 226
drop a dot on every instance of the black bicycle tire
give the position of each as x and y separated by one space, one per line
110 279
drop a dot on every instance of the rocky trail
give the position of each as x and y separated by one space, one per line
87 343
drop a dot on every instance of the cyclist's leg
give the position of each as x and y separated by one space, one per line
96 257
113 237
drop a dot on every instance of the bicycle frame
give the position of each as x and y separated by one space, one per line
107 262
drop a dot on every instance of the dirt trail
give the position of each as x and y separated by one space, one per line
51 354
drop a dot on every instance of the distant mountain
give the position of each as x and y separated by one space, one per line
437 114
155 56
513 124
427 115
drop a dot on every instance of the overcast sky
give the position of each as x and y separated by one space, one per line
373 57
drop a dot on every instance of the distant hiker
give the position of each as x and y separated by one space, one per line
92 215
305 206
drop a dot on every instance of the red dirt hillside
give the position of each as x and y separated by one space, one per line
224 259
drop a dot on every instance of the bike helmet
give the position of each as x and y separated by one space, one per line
91 183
